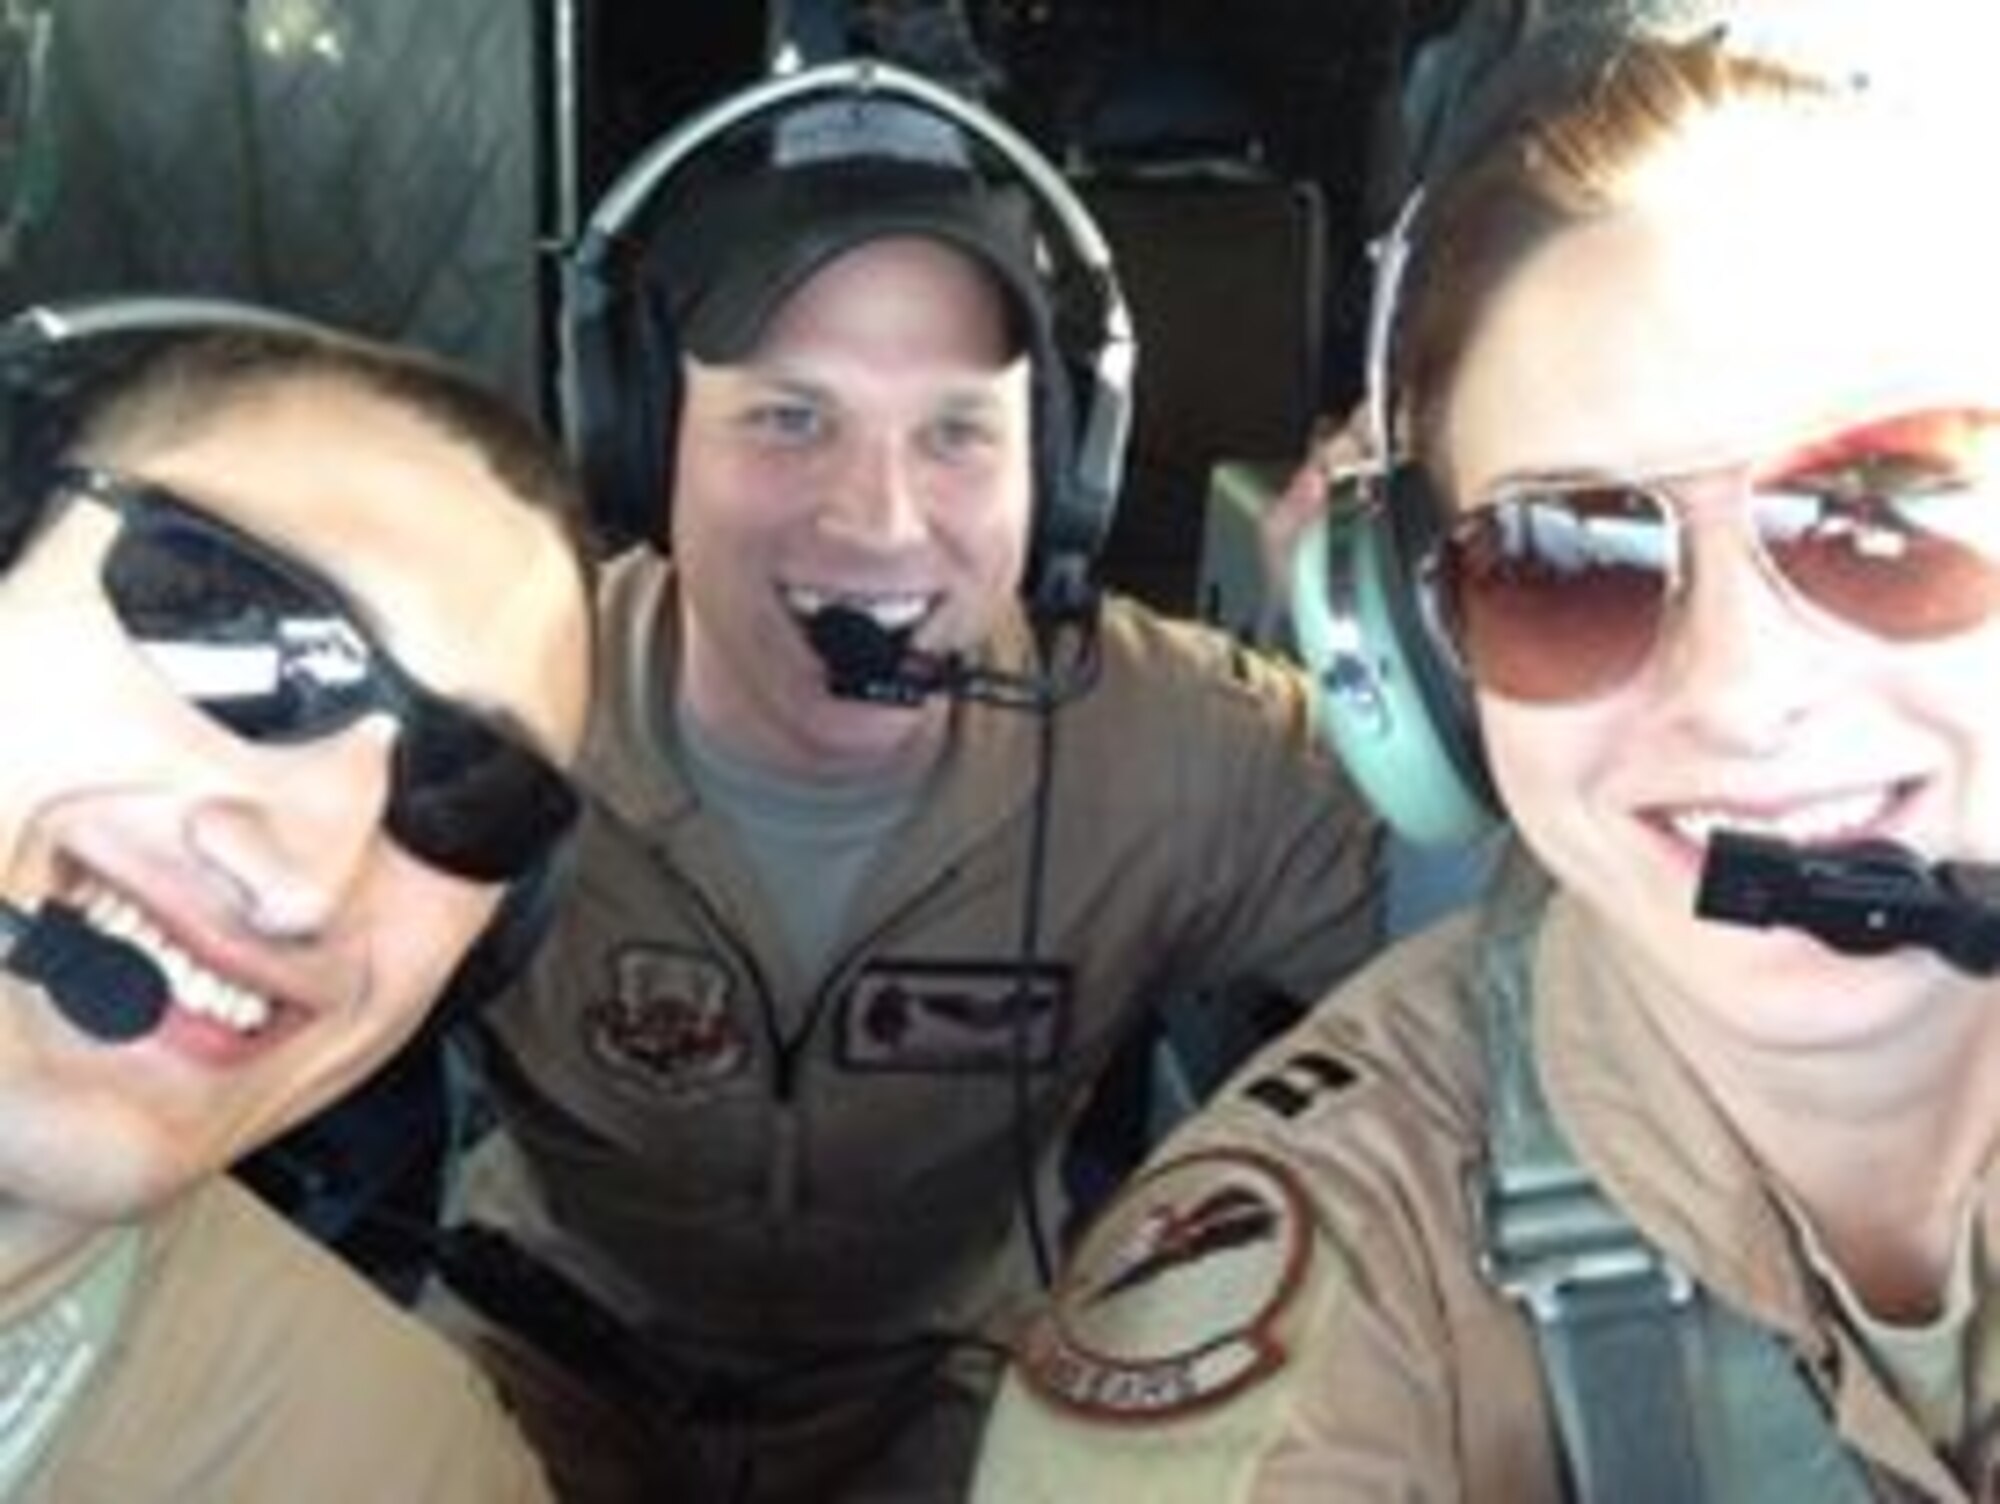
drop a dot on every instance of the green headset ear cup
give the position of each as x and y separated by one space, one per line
1382 699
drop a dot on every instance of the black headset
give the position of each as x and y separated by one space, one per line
55 362
620 360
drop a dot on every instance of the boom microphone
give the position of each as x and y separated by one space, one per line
108 988
1862 898
867 661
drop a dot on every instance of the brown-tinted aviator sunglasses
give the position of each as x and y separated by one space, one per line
1558 592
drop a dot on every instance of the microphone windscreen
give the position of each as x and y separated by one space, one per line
854 646
108 988
1744 879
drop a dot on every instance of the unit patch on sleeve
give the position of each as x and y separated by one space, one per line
1172 1301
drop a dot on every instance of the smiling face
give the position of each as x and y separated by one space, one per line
1741 308
301 943
874 451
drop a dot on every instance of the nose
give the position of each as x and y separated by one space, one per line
1740 663
292 839
875 496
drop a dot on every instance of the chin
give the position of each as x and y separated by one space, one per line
123 1187
855 729
1783 989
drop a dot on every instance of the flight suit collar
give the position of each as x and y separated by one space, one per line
1645 1128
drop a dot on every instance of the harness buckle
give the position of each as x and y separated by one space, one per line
1554 1243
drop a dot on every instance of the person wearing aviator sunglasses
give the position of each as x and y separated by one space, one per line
1578 1194
297 645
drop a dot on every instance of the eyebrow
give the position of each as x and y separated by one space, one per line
1952 431
1566 477
972 399
1943 433
975 390
787 382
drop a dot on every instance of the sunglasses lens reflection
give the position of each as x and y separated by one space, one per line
1559 593
276 656
1559 597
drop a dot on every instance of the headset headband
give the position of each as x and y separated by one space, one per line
1391 255
45 324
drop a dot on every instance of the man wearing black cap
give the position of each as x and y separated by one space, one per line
896 834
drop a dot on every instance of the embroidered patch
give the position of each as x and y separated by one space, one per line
1172 1301
667 1023
953 1016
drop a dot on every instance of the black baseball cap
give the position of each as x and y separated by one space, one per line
824 183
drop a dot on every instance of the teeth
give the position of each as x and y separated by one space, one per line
898 614
193 985
1828 820
893 613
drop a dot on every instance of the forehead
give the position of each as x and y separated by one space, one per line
1768 277
902 294
457 575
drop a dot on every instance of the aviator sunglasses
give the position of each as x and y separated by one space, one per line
1556 592
275 653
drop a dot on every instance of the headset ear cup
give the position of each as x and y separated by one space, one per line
1083 417
647 419
614 408
590 386
661 432
1063 539
1394 711
22 463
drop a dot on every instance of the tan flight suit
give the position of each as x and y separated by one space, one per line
808 1184
247 1365
1286 1306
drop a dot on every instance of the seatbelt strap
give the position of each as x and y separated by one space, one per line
1661 1395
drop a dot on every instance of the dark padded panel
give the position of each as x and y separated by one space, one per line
1227 282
